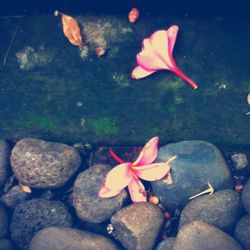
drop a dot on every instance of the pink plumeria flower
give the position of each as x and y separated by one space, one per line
157 53
127 174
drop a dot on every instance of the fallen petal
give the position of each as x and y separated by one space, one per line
148 153
105 192
119 177
133 15
152 172
140 72
137 190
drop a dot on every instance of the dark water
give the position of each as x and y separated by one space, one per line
94 99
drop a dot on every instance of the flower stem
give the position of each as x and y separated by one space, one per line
115 156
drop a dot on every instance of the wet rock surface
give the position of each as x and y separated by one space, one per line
14 196
242 232
6 244
138 225
4 161
197 163
246 197
4 221
167 244
58 238
221 209
89 206
200 235
42 164
33 215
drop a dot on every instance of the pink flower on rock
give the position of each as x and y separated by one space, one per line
127 174
157 53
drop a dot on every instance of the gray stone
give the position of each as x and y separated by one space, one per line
89 206
197 163
42 164
6 244
167 244
4 161
199 235
138 225
14 196
4 222
245 198
58 238
33 215
242 232
240 161
222 209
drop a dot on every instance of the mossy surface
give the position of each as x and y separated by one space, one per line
74 98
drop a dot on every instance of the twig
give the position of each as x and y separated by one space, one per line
11 42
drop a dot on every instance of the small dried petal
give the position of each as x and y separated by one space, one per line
239 187
25 188
100 51
133 15
154 200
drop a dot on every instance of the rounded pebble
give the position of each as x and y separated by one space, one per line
242 232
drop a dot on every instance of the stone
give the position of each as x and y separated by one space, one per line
14 196
242 232
42 164
33 215
137 226
166 244
4 222
6 244
200 235
245 197
197 163
240 161
88 205
4 161
58 238
222 209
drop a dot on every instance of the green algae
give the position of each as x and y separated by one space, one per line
102 126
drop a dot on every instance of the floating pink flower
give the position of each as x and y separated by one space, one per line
128 173
157 53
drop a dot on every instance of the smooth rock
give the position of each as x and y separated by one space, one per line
6 244
33 215
199 235
14 196
197 163
222 209
42 164
4 161
59 238
89 206
4 221
242 232
245 197
167 244
137 226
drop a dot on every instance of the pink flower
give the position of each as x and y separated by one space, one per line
156 55
128 173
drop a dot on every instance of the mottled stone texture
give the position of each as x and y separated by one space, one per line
58 238
89 206
42 164
138 225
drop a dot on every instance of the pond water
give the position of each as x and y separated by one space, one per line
68 94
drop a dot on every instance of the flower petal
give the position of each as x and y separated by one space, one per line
153 172
163 42
149 60
148 153
140 72
119 177
105 192
137 190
